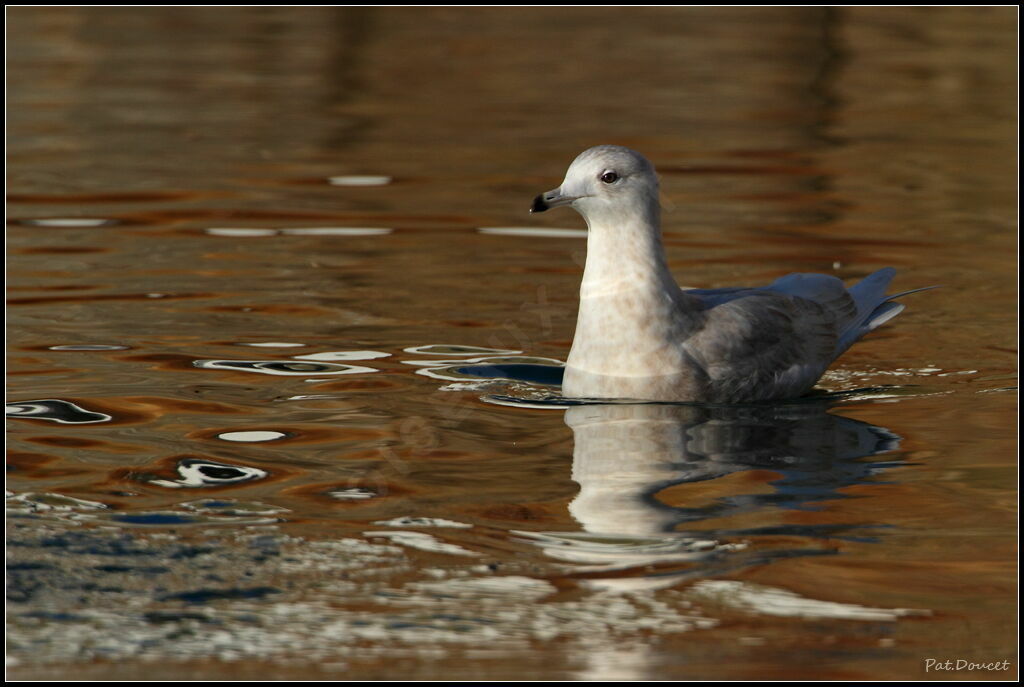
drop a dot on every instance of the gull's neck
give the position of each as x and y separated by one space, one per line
625 253
633 317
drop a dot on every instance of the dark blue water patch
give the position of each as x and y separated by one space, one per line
155 519
407 625
104 544
17 567
55 410
183 552
463 619
177 616
264 542
203 596
145 570
846 533
743 560
22 585
265 548
54 616
546 375
94 587
552 402
93 545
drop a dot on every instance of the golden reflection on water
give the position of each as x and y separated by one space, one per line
217 214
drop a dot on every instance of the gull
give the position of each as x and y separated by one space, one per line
640 336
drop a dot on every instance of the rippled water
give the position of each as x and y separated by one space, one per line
285 346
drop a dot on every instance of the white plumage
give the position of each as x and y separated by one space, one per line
640 336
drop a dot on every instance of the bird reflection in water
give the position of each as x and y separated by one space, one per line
626 454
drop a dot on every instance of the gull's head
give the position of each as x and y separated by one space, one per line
605 182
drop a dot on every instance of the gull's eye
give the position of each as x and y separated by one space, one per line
609 177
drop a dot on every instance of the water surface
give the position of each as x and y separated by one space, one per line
284 346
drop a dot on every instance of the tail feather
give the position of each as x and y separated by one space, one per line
882 314
869 292
874 307
901 294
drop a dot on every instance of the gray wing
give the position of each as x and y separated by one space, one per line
712 297
757 343
823 289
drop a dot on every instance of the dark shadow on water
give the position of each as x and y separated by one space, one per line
546 375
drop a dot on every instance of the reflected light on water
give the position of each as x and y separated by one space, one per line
626 455
55 410
355 181
359 180
337 231
283 367
196 473
252 436
69 222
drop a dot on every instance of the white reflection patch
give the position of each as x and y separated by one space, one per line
69 222
423 542
359 180
338 231
287 368
344 355
240 232
252 435
784 603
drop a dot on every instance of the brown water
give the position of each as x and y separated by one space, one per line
190 498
